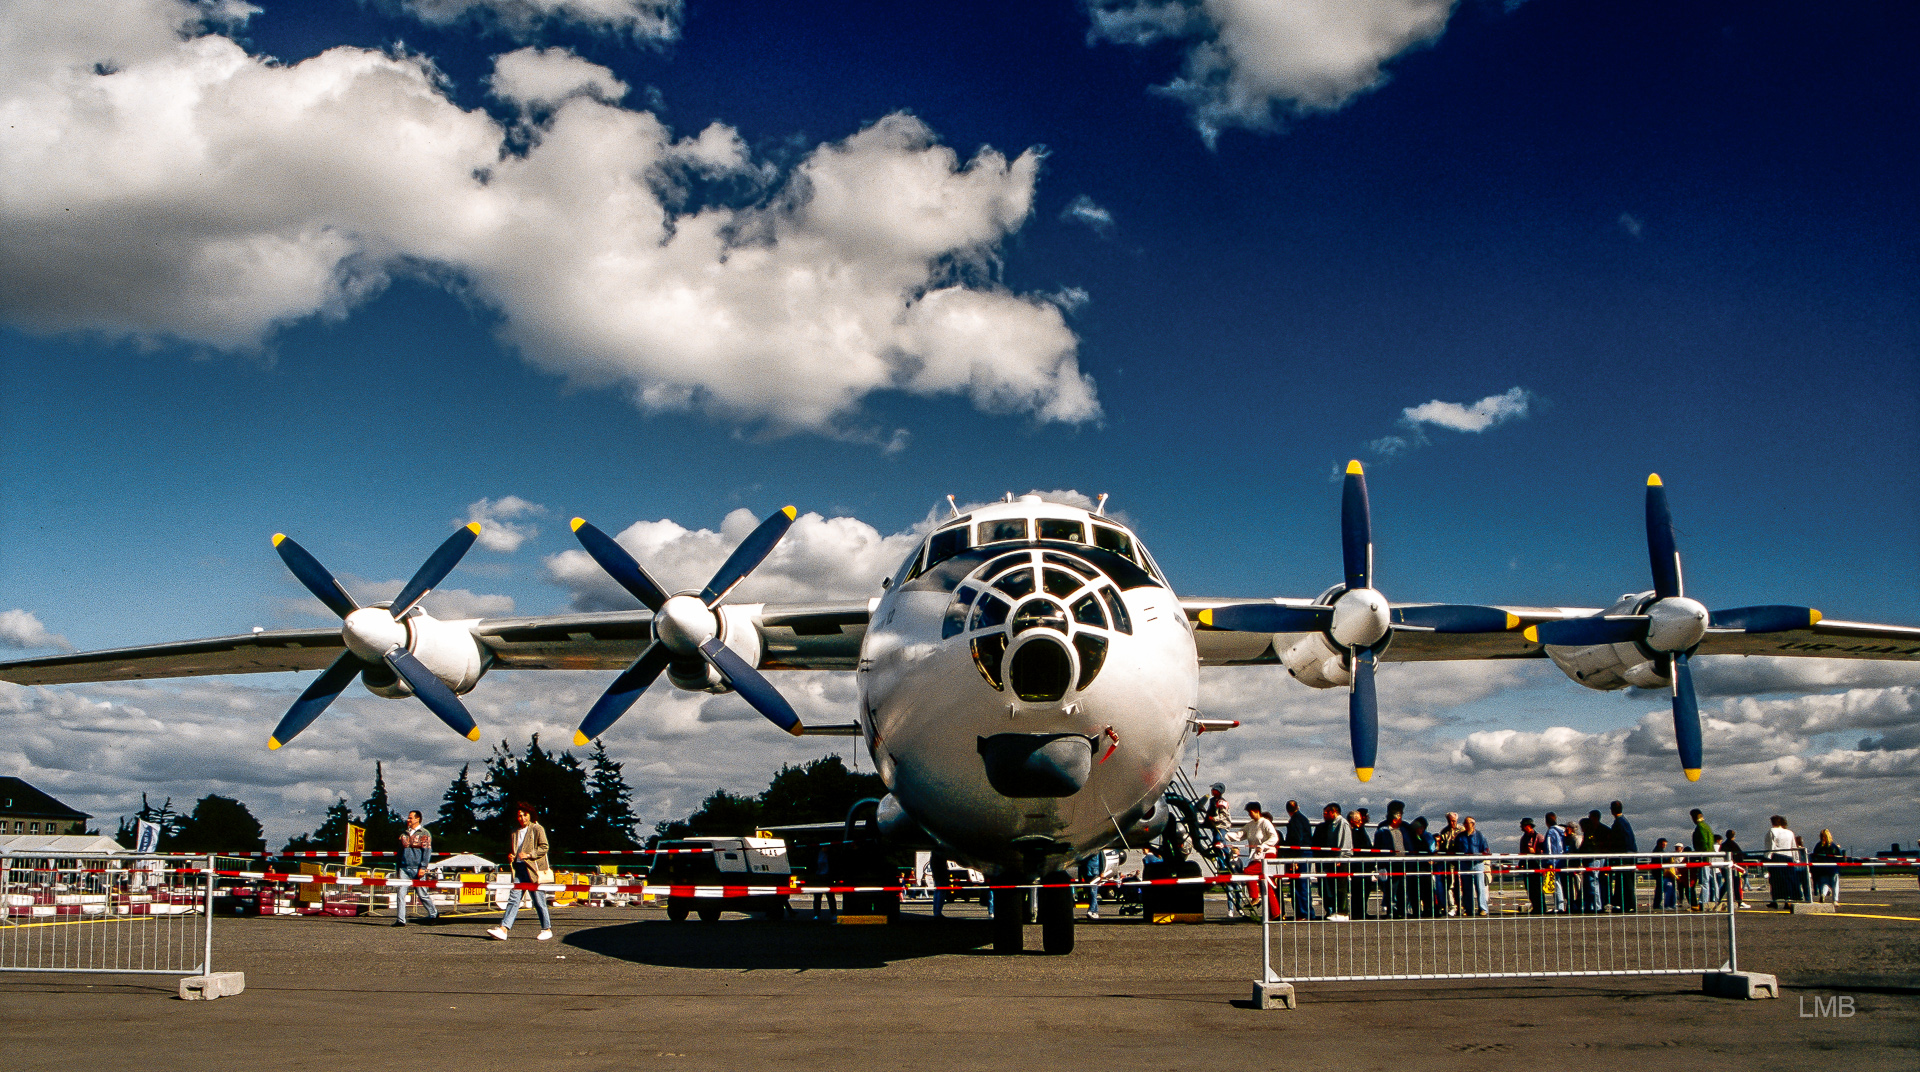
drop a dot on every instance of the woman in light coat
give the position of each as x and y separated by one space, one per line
527 855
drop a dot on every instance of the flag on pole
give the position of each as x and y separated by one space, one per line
146 837
356 844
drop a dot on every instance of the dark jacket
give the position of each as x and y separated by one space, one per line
1299 829
1622 836
1391 839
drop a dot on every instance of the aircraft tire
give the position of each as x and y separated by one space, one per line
1056 915
708 914
676 909
1009 921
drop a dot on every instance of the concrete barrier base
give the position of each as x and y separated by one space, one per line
1273 996
214 985
1798 907
1742 985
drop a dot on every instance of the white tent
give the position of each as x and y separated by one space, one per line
465 861
58 844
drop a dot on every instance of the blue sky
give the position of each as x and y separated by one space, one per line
1686 235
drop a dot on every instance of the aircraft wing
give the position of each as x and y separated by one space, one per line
1828 639
793 636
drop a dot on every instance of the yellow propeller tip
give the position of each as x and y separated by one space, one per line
1532 633
473 527
1814 616
273 744
1693 774
790 512
473 734
1353 468
1365 773
277 537
579 739
797 730
1206 617
1513 621
577 522
1653 480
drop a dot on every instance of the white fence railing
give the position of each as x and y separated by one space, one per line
1488 917
99 913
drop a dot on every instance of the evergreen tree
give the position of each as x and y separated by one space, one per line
610 817
383 823
820 792
722 814
457 827
556 786
168 819
219 824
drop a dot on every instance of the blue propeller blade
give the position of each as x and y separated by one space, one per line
1661 552
315 700
753 688
1356 529
1770 619
1268 618
619 564
1686 717
748 555
433 692
1584 632
622 693
436 568
309 572
1363 715
1457 618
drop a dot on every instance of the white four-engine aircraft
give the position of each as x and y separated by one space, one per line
1028 680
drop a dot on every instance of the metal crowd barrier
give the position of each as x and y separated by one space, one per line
1497 917
99 913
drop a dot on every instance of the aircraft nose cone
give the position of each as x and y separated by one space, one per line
1037 764
371 632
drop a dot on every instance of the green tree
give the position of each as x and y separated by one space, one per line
610 817
555 784
382 822
332 833
457 828
722 814
219 824
818 792
168 819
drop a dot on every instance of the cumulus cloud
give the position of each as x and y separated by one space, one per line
500 527
1250 62
160 183
443 603
1489 412
641 20
1084 211
21 629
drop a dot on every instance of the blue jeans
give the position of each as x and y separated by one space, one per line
513 902
407 893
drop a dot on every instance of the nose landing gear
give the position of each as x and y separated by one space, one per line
1054 901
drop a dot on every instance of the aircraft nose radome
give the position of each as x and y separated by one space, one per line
1037 764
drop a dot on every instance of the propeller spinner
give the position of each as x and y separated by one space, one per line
1358 620
376 638
685 627
1670 625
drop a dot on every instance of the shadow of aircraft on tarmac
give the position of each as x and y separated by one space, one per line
748 943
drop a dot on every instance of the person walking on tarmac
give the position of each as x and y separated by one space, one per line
527 856
416 848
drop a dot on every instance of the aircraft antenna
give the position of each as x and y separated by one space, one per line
1101 506
955 507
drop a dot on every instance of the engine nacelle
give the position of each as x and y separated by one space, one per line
1313 661
737 632
448 649
1614 666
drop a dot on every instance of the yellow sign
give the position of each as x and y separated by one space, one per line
356 844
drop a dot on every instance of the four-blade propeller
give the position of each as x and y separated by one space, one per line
376 638
1670 625
1358 620
685 627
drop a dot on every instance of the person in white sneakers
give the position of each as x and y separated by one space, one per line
527 855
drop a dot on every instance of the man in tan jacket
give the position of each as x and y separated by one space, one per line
527 856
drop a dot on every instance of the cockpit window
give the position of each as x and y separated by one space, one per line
945 544
1011 528
1039 614
1057 529
991 612
1114 540
1121 620
1086 611
1016 584
1002 564
1060 582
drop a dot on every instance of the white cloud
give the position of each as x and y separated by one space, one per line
1249 59
642 20
196 193
499 529
443 603
1083 210
1489 412
21 629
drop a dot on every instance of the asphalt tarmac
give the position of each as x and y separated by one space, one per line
619 988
